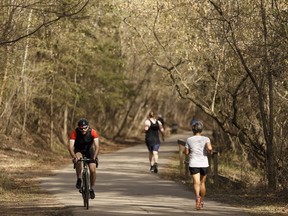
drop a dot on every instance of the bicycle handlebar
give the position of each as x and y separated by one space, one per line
85 160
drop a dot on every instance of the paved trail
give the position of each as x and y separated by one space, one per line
125 186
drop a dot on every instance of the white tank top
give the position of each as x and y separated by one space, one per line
198 152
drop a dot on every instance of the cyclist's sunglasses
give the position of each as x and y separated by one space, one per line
83 128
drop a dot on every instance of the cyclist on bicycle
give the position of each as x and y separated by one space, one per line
84 142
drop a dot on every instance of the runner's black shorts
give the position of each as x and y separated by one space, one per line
152 148
201 170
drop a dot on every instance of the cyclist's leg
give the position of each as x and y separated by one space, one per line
78 168
92 168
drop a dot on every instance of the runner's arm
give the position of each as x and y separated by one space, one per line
161 129
147 125
186 151
209 147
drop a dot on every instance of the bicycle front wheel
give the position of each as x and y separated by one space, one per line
86 192
83 190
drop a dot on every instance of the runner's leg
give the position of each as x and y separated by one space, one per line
202 187
155 153
196 184
155 156
151 161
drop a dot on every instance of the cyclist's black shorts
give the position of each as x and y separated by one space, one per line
89 153
201 170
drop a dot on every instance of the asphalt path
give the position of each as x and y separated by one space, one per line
125 186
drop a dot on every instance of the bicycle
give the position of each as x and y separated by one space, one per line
85 187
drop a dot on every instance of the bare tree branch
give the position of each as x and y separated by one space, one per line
64 14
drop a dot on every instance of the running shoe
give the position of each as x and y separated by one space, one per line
92 194
78 183
202 204
198 203
152 169
155 168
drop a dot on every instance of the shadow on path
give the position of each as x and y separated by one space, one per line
125 186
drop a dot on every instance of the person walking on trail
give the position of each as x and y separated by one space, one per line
84 142
198 147
152 129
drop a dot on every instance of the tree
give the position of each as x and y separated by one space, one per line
47 13
216 53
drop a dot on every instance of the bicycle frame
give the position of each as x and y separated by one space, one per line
85 188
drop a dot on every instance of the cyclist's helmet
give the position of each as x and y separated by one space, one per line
83 123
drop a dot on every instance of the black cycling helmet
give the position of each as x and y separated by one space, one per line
83 122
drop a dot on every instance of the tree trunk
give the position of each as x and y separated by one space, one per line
5 72
269 133
65 120
23 78
51 118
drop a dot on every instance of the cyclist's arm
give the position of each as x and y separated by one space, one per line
95 143
96 147
71 148
71 144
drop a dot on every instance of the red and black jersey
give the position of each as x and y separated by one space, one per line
83 141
